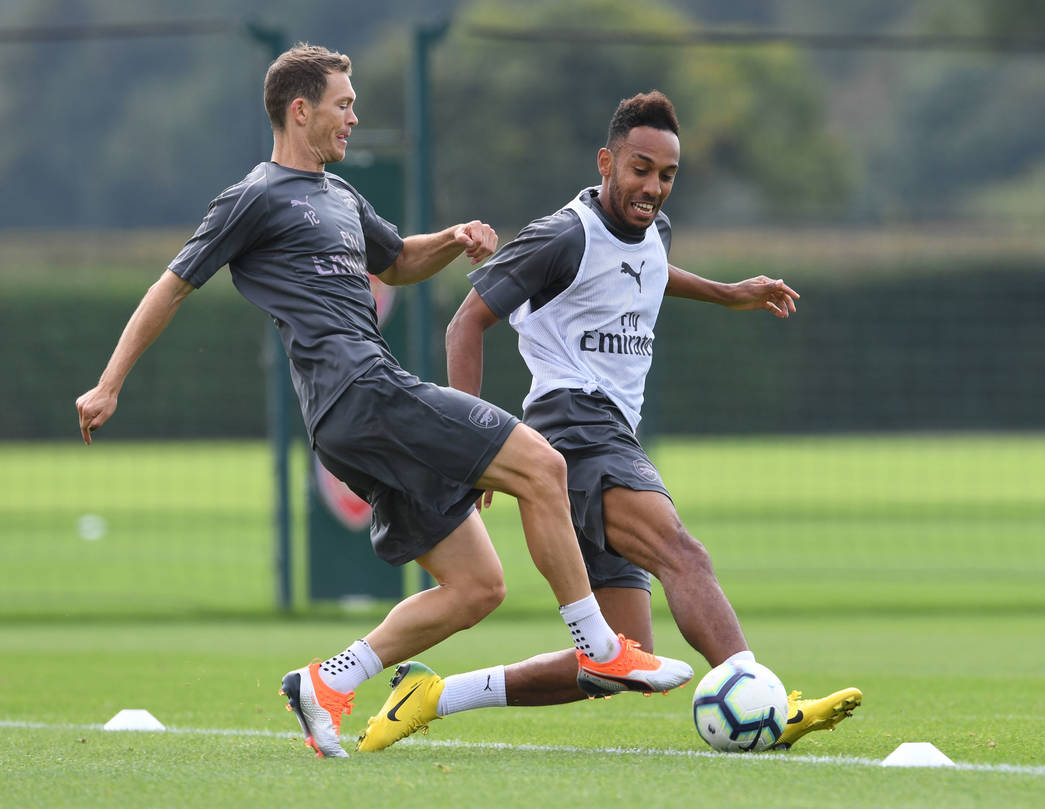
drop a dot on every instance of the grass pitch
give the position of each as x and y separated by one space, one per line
971 687
910 567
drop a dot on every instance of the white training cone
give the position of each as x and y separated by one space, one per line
134 719
917 754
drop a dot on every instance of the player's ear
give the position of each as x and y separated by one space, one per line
298 111
605 162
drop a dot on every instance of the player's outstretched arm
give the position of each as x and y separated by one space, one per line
760 292
426 254
151 317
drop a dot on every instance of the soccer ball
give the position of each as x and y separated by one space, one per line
740 707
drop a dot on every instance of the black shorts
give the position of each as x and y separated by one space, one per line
414 451
601 453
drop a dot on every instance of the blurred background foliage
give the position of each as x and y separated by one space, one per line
117 132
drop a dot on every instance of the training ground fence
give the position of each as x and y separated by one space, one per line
917 320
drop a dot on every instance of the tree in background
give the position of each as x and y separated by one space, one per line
1014 17
938 134
123 133
518 123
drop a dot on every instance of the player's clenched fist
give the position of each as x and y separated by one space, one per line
478 238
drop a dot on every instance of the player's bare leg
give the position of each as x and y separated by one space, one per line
551 678
535 473
529 469
645 529
469 586
419 696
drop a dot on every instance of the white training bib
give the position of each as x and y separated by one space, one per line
598 333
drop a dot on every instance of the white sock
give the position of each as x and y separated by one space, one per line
346 671
747 655
483 688
591 634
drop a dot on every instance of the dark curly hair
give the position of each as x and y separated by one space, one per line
652 109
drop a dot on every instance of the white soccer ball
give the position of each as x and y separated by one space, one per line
740 707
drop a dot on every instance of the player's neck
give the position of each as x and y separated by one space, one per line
294 156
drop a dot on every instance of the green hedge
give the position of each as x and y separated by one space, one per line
918 348
202 378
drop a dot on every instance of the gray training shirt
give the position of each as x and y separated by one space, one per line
299 245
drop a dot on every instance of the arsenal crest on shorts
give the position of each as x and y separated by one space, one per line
484 416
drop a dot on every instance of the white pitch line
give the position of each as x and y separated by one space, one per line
189 731
785 758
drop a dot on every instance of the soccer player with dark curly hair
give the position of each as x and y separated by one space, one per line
583 288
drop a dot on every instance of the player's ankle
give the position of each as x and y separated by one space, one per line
591 634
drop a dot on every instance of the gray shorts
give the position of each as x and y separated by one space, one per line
601 453
414 451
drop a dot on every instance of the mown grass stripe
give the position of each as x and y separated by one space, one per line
844 761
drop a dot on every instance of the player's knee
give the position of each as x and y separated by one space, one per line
482 596
492 596
547 470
